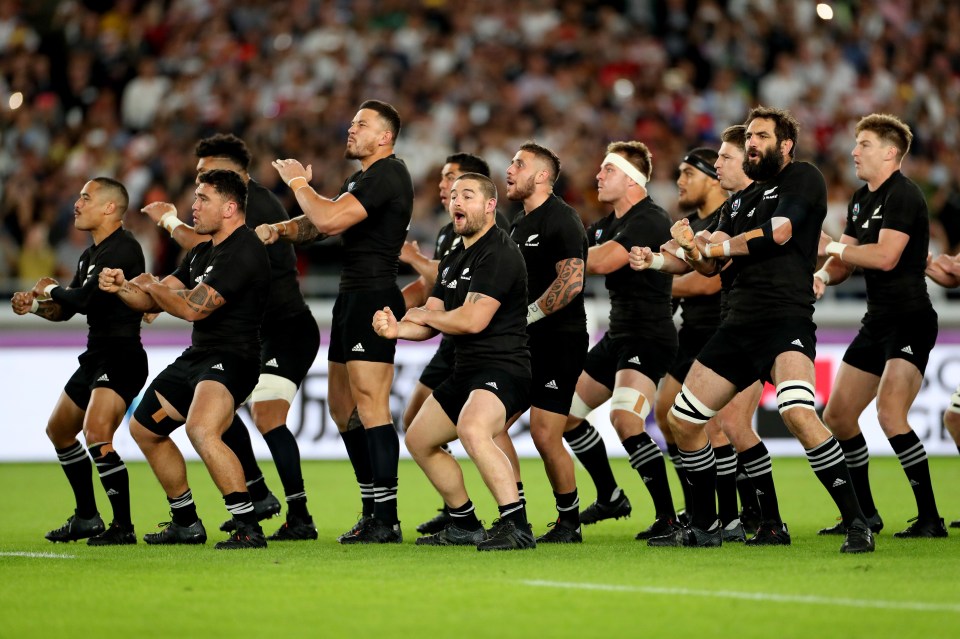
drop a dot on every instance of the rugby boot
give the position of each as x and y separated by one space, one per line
923 528
690 537
76 529
371 530
295 529
244 536
733 532
598 511
173 534
859 538
437 524
453 535
660 527
505 535
264 509
115 535
770 533
874 522
560 533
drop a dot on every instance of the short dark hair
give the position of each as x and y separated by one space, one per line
546 155
786 127
227 184
224 145
487 188
735 135
470 163
636 153
387 113
890 129
119 194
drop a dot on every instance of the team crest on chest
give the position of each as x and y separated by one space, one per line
597 235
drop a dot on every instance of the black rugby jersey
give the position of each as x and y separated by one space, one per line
549 234
371 248
702 311
239 270
640 301
494 267
898 205
107 315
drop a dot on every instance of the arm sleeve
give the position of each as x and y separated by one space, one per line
800 195
377 186
494 275
902 208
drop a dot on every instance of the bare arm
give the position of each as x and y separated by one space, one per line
112 280
469 319
606 258
425 267
330 217
415 293
189 305
164 215
944 270
884 255
386 325
567 285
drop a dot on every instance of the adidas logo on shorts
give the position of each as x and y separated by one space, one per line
797 342
103 378
358 348
273 362
906 349
551 384
838 482
634 360
217 367
493 385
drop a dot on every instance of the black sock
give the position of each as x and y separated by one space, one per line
237 438
726 483
183 510
858 463
355 441
647 460
240 507
587 445
465 517
701 468
384 446
116 482
758 466
523 497
568 508
674 454
286 455
76 466
827 462
516 513
913 459
745 488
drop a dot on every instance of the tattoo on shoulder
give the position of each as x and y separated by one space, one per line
473 298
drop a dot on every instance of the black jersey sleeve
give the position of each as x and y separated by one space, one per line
85 285
378 185
495 274
799 196
638 231
901 209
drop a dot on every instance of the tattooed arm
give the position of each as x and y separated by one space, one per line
299 230
189 305
562 291
469 319
132 294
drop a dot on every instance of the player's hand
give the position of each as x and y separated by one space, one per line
683 235
819 287
22 302
409 252
385 324
641 257
416 315
822 246
268 233
144 279
156 211
111 280
41 284
290 169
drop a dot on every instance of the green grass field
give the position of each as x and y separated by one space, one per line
611 586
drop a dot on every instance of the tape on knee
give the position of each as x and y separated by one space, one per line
954 406
273 387
579 408
688 408
795 393
630 400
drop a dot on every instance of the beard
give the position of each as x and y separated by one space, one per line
766 168
471 226
523 190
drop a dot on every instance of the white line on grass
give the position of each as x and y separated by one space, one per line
37 555
754 596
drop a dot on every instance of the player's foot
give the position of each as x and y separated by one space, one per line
733 532
660 527
923 528
264 508
174 533
955 524
690 537
115 535
560 533
76 529
244 536
750 518
373 531
453 535
874 522
504 535
859 538
770 533
295 529
437 524
598 510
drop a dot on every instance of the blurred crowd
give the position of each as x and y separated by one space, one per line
126 88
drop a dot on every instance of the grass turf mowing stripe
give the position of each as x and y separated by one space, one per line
753 596
37 555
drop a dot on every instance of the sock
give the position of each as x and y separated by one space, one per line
240 507
674 454
827 462
523 497
587 445
701 468
726 483
913 459
745 487
858 463
516 513
237 437
384 446
183 510
76 466
465 517
756 463
647 460
286 455
116 482
355 441
568 508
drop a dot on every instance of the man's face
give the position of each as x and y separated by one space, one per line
207 210
448 175
364 135
211 163
612 183
522 175
692 187
869 154
468 208
729 166
764 158
88 210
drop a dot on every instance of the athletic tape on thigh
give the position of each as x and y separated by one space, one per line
954 406
630 400
273 387
794 393
688 408
579 408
